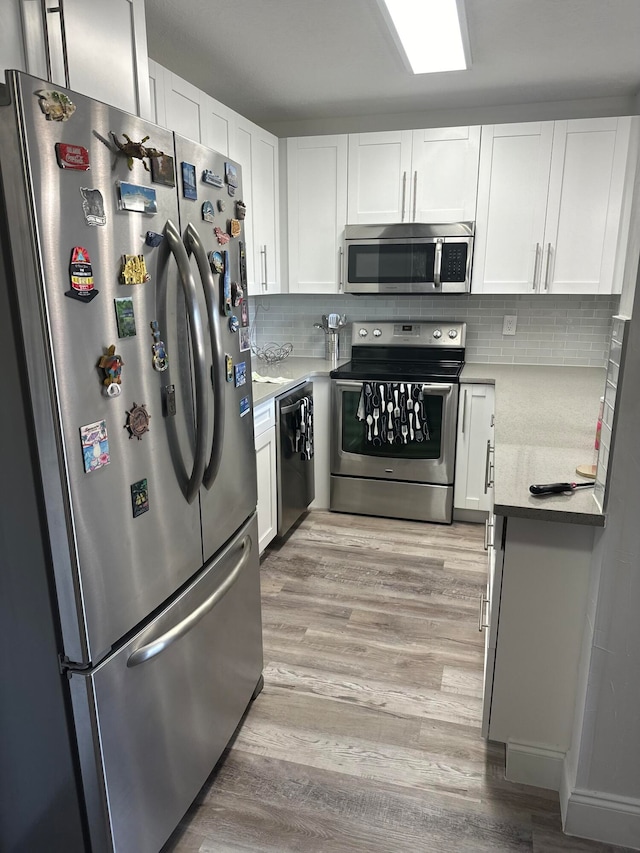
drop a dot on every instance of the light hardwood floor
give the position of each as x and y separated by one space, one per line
367 735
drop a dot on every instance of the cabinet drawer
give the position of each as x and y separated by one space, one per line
264 417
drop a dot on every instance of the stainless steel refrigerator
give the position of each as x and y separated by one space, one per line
129 576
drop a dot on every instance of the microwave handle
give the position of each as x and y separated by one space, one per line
437 264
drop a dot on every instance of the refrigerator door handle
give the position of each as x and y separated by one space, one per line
157 646
194 244
178 251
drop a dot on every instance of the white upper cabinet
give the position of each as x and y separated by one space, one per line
60 46
413 176
316 212
550 198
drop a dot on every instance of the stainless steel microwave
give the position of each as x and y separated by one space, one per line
410 257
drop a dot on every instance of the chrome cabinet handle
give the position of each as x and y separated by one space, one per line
488 525
46 12
177 249
193 244
157 646
340 269
263 265
546 272
415 189
464 409
437 264
404 193
481 623
488 481
535 267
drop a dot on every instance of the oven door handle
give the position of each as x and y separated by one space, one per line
437 388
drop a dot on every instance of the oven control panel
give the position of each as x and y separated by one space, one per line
425 333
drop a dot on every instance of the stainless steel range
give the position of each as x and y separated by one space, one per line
395 409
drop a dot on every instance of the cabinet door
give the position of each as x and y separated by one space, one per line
379 177
158 76
317 212
445 174
266 195
267 485
217 124
183 108
241 149
515 161
584 207
475 436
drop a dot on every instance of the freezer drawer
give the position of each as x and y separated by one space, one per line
167 703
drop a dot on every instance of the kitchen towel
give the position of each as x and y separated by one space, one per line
393 413
304 428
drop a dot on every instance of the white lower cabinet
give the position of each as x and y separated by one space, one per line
474 450
264 423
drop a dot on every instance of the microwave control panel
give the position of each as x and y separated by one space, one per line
454 262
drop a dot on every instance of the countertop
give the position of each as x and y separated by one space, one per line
544 428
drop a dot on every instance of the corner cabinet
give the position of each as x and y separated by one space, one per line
264 424
316 212
473 488
428 175
550 199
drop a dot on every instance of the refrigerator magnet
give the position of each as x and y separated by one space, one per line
216 261
169 401
245 340
139 497
208 211
243 264
226 286
162 171
81 276
189 188
228 366
234 323
240 371
245 406
153 239
220 204
93 206
95 446
137 421
221 236
159 356
136 198
125 317
55 105
209 177
241 209
244 313
111 365
231 175
134 270
237 293
72 156
234 227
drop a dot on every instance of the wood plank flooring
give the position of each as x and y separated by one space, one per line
366 738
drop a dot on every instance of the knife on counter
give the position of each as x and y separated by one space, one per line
558 488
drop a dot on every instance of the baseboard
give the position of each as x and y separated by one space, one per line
601 817
475 516
533 764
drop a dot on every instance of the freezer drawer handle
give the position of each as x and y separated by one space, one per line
178 251
194 244
150 650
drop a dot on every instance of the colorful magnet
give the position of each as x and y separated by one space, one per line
236 294
208 211
134 270
139 497
245 339
81 275
137 198
169 401
244 313
137 421
93 206
189 188
55 105
220 205
72 156
95 446
111 363
125 319
226 286
158 350
228 366
162 171
231 174
243 265
234 227
153 239
245 406
241 210
234 323
216 261
137 151
240 371
211 178
221 236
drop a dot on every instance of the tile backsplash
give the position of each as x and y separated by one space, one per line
568 330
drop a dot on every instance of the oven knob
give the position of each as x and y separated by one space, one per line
437 333
453 333
377 333
363 333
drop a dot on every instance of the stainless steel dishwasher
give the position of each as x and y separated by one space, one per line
294 455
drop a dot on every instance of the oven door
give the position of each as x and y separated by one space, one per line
429 461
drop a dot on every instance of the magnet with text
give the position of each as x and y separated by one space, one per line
134 270
95 446
221 236
245 406
234 227
81 276
245 339
137 198
139 497
55 105
153 239
208 211
158 349
93 206
169 401
226 286
212 179
228 366
216 261
137 421
72 156
162 171
189 188
237 293
241 209
240 371
234 323
244 313
111 365
243 264
125 318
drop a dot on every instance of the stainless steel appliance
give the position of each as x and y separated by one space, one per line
394 418
409 257
294 455
130 624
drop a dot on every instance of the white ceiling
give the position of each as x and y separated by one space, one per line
331 65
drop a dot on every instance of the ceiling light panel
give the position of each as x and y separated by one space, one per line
429 32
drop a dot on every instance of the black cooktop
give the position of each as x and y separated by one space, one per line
402 364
